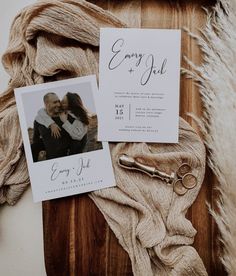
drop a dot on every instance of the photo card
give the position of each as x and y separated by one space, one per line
59 128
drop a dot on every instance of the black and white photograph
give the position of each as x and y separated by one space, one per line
61 121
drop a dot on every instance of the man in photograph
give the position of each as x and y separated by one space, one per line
55 131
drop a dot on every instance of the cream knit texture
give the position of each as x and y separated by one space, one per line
52 40
146 215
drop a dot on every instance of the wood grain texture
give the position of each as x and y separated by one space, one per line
77 240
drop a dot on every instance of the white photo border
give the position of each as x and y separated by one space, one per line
77 173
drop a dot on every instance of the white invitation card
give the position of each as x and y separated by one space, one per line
59 128
139 78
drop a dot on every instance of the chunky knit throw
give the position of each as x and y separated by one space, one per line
52 40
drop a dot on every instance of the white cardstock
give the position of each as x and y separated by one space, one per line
139 78
74 172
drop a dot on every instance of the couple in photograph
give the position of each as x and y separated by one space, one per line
60 128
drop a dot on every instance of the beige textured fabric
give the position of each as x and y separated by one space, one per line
146 215
52 40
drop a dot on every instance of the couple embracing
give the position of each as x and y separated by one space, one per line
60 128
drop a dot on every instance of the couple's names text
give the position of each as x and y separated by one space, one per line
148 60
57 171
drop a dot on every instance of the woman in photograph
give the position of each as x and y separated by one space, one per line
71 104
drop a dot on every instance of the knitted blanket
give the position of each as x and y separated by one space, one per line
52 40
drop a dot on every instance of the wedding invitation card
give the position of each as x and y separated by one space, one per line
139 78
59 128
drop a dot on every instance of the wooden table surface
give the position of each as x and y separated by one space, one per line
77 240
